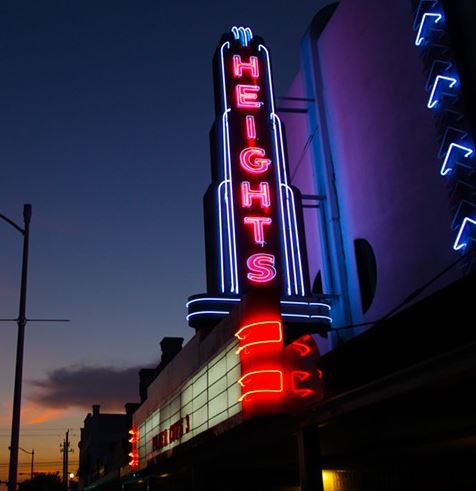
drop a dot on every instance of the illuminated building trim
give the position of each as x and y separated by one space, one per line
446 167
279 164
288 218
324 317
458 172
459 244
207 312
300 375
246 394
242 337
310 304
305 316
243 34
301 348
233 262
133 454
302 312
435 18
211 299
433 100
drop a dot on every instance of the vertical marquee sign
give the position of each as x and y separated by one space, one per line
255 259
253 216
252 175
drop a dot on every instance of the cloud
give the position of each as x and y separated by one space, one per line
82 386
31 414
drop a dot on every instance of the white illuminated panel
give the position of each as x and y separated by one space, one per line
208 398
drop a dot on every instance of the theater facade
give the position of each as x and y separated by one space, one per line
253 358
334 348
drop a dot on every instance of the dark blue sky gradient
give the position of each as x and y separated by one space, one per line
104 118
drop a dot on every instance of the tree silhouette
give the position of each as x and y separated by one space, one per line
43 482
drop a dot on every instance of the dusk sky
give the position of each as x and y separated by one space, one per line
104 118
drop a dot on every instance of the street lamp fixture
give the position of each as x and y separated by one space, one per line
21 321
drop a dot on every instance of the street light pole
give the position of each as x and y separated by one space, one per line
21 321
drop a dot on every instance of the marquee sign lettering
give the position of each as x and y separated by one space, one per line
258 230
253 216
171 434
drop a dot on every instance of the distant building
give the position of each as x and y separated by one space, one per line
104 446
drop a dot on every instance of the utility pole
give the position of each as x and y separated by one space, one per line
21 321
66 450
32 453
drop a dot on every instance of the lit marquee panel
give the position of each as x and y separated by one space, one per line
209 397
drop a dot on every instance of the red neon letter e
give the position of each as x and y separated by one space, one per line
239 66
247 96
261 268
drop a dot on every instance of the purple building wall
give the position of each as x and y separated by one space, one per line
367 85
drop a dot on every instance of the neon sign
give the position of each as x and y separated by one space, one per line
252 192
253 216
133 454
424 25
274 378
256 174
456 148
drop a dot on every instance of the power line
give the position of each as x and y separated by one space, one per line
414 294
304 150
27 437
37 428
53 462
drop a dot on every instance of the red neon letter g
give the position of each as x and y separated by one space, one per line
256 166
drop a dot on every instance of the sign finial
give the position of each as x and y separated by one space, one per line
242 34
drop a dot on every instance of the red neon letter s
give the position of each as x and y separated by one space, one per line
261 268
239 66
256 165
261 194
247 96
